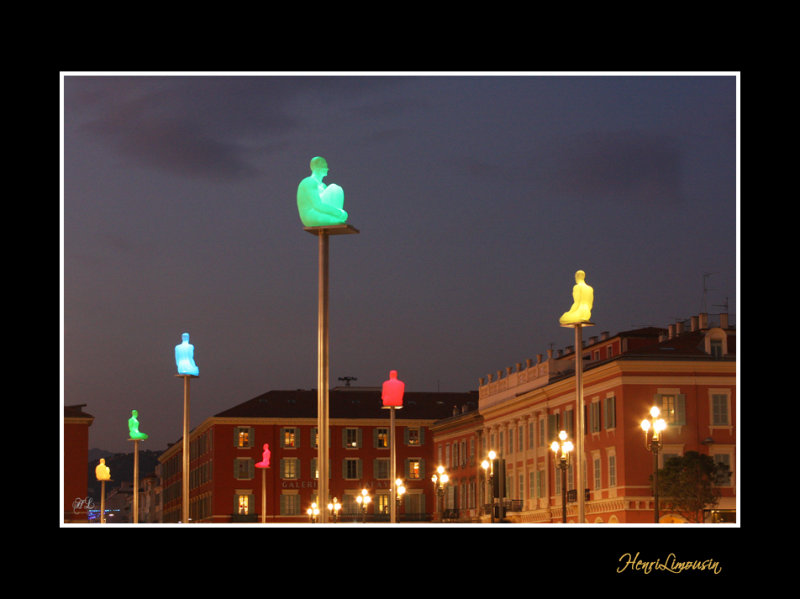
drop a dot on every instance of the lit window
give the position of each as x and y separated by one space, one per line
414 468
352 438
382 438
413 436
243 504
242 436
289 437
290 468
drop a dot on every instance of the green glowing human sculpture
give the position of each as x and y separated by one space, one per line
133 427
583 298
320 205
101 471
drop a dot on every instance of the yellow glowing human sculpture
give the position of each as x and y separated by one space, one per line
320 205
101 471
583 298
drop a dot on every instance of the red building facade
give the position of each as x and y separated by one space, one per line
226 486
688 370
75 459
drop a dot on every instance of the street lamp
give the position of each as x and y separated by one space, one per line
313 512
652 441
561 450
440 480
334 507
363 501
401 490
488 470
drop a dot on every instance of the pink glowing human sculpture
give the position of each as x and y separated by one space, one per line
392 393
264 463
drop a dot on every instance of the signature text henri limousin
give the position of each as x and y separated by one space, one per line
670 564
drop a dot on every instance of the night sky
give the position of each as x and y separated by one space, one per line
477 198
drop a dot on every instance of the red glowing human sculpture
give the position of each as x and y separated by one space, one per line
393 389
264 463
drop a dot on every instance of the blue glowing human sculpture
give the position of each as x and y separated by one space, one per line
133 427
184 357
320 205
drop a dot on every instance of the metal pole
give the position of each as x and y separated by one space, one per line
263 495
185 490
581 422
322 377
322 360
102 502
655 480
136 481
563 467
393 487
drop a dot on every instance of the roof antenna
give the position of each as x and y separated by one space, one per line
706 275
347 380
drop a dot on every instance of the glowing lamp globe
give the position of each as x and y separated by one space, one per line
392 393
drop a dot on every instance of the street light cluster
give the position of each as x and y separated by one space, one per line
652 440
561 451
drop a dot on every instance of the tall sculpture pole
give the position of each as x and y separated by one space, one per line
187 369
320 209
263 465
577 317
392 397
103 474
135 436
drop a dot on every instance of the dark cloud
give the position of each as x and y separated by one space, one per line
622 166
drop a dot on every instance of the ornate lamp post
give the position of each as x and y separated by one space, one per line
363 501
440 480
561 450
333 508
313 512
488 469
652 441
400 486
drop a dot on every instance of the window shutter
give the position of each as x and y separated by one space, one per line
680 409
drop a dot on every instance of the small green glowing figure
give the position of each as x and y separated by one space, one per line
583 298
102 472
320 205
133 427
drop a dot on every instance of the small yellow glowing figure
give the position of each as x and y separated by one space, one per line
583 298
102 472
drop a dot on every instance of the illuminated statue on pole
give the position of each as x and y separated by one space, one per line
583 298
392 391
320 205
133 427
184 357
102 472
264 463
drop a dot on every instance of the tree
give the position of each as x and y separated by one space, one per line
690 483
